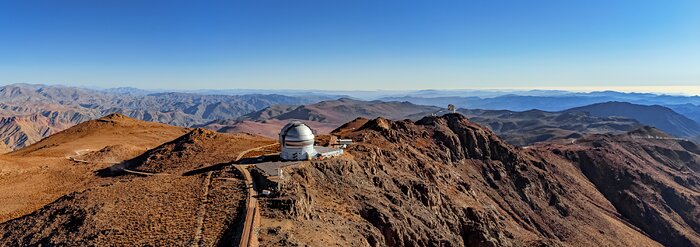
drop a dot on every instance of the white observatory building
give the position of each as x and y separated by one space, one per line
297 142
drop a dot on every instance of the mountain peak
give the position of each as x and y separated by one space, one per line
116 117
649 131
453 132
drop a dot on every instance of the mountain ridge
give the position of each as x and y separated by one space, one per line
55 108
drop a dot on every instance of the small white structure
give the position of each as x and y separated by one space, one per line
327 152
297 142
344 142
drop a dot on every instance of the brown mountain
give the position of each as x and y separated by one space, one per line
535 126
41 173
323 117
20 131
438 181
195 150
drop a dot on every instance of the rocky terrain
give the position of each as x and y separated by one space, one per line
445 181
29 113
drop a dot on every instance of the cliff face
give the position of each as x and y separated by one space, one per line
441 181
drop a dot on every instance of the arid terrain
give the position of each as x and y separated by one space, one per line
438 181
29 112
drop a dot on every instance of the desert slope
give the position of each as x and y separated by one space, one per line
47 170
192 199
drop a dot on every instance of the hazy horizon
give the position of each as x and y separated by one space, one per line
661 90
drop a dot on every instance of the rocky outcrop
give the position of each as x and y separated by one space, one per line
444 181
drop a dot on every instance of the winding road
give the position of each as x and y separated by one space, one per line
247 236
83 151
252 213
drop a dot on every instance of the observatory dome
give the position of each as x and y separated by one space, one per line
297 134
297 141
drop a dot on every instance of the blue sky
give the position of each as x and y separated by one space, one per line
352 44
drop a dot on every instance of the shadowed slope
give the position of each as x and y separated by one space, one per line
657 116
653 180
195 150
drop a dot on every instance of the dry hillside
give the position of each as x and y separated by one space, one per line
188 198
43 172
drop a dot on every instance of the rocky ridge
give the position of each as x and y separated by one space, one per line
443 181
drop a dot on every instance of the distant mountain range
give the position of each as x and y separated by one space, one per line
518 128
32 112
657 116
29 113
534 126
323 116
688 106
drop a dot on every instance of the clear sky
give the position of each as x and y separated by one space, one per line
374 44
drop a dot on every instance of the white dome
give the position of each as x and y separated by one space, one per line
297 132
297 141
